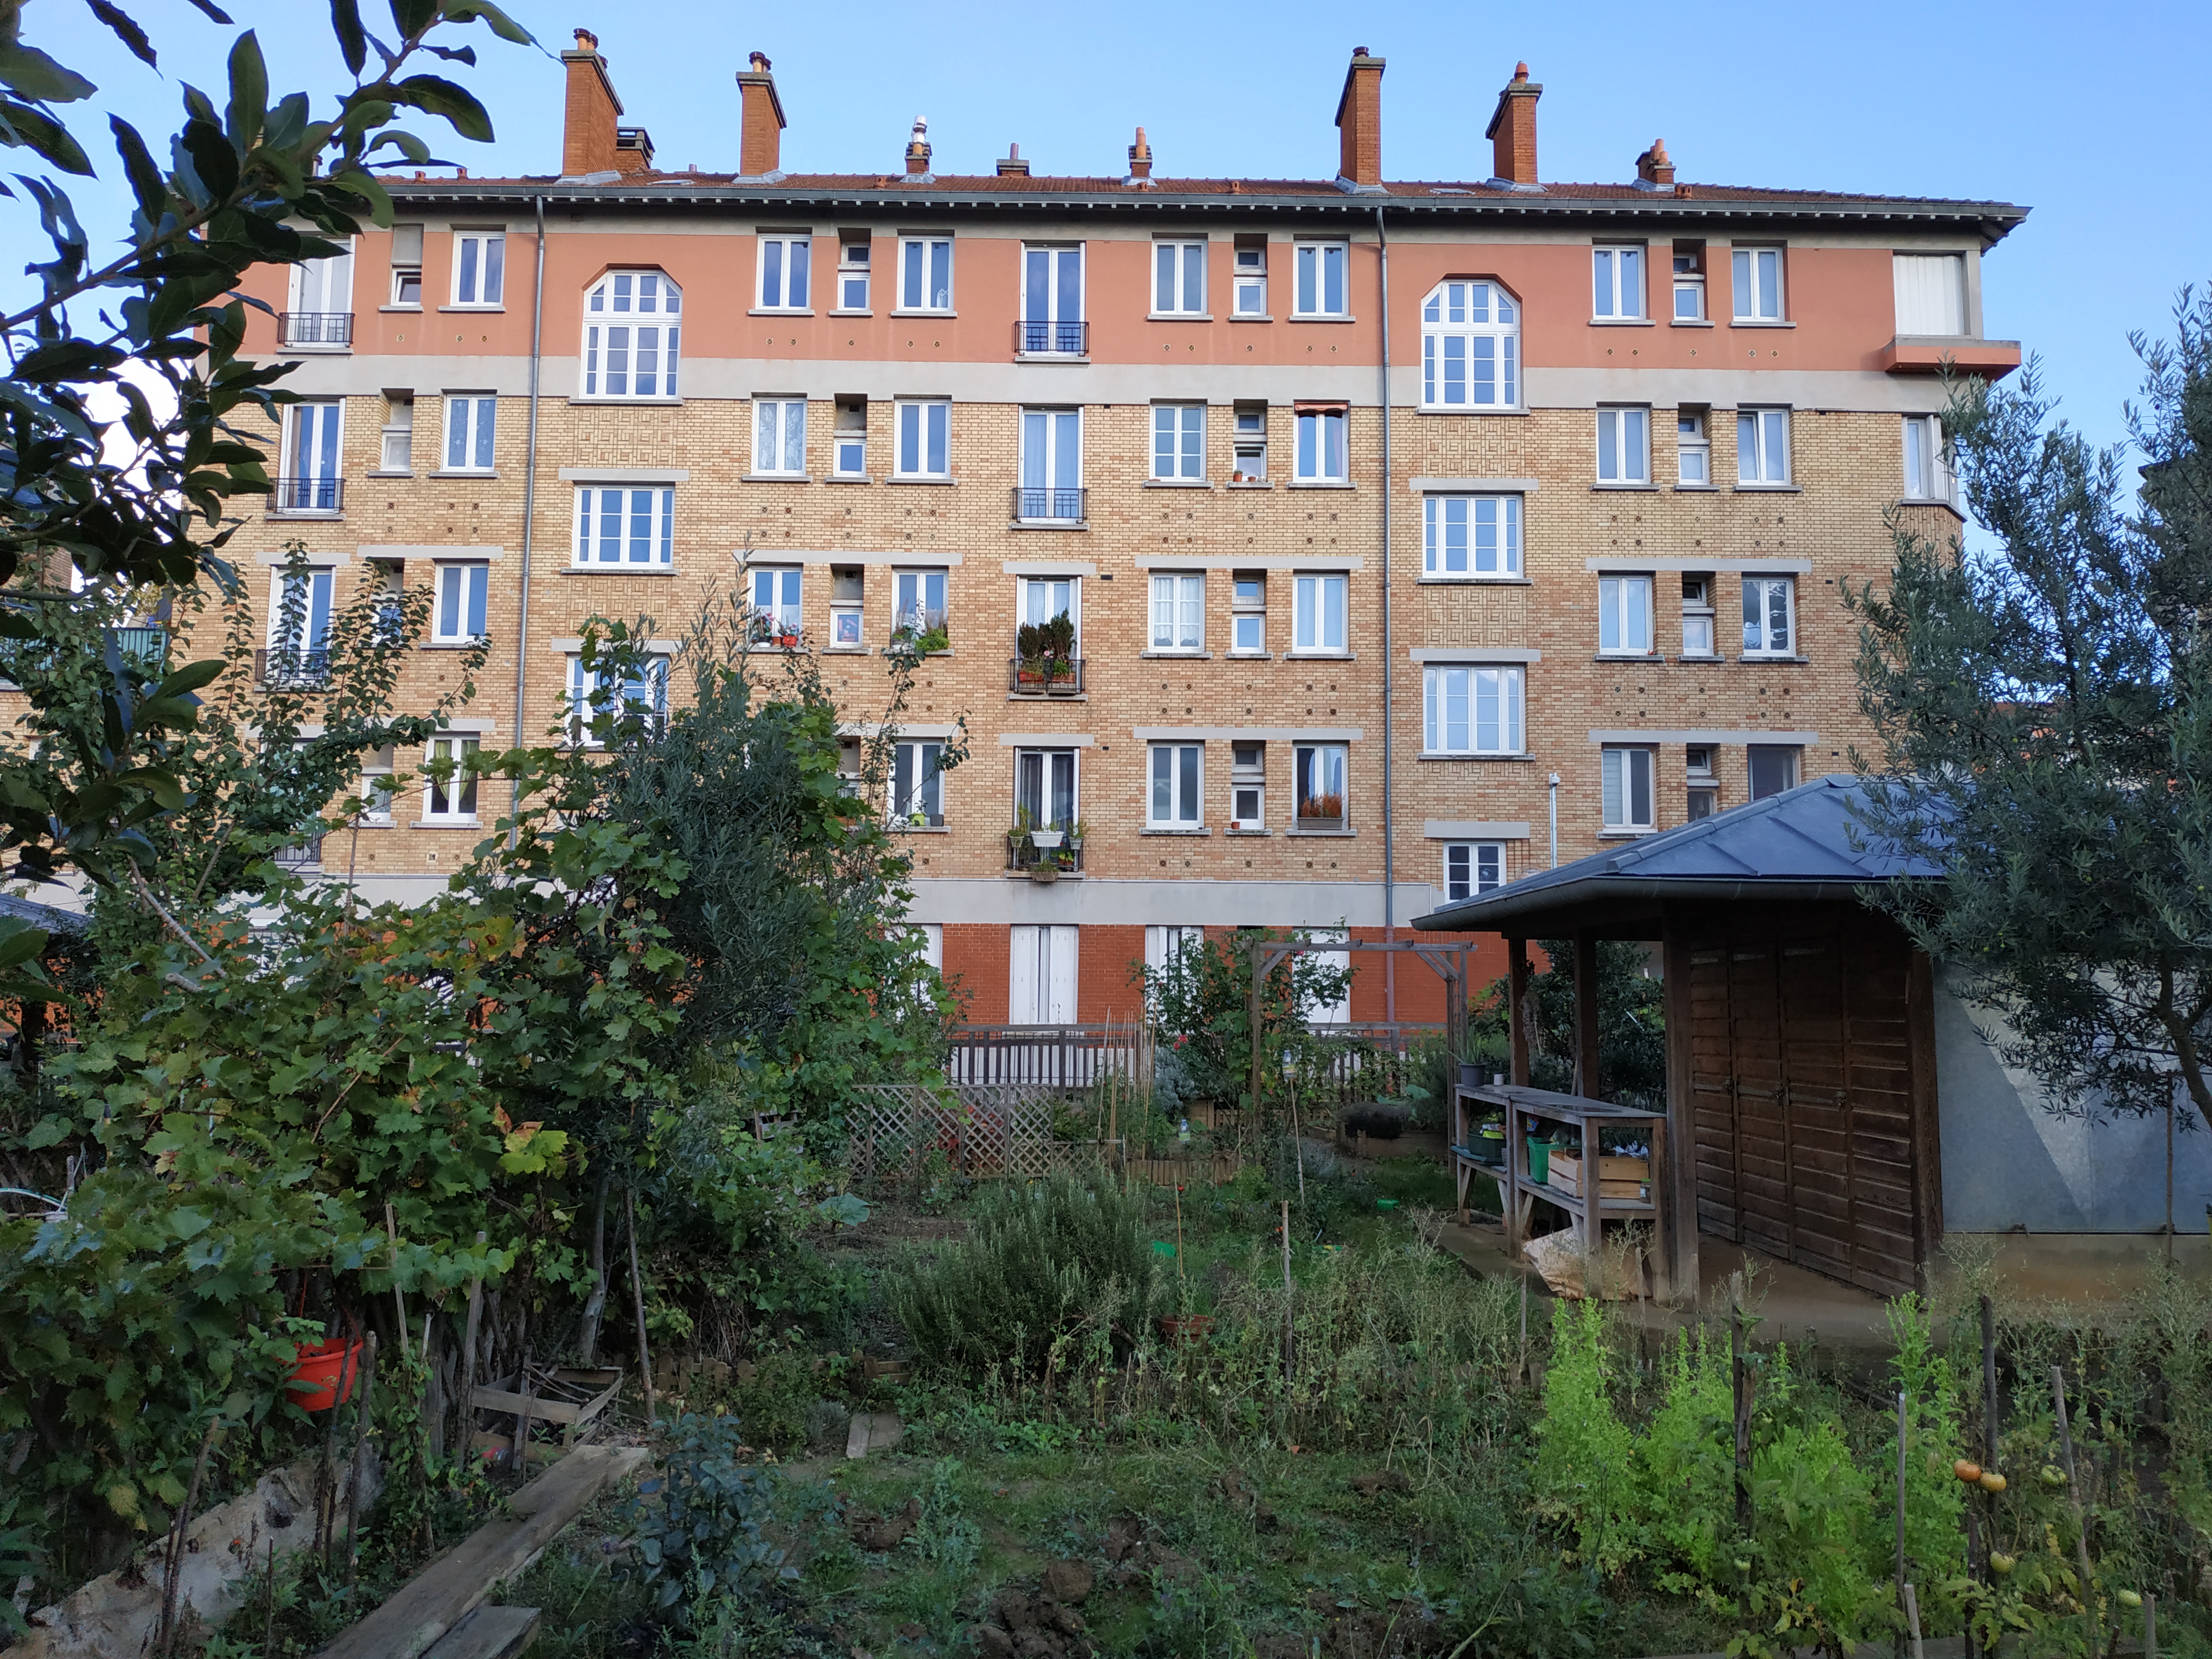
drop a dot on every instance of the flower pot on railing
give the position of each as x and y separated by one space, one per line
1045 841
322 1374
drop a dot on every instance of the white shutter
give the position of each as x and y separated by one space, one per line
933 943
1058 973
1338 1012
1932 293
1022 975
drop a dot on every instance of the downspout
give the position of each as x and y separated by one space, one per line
529 482
1390 821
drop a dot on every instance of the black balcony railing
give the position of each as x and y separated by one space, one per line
307 854
1045 677
148 647
307 495
286 670
1039 506
315 328
1024 853
1051 339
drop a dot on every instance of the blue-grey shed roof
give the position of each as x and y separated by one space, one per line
1803 843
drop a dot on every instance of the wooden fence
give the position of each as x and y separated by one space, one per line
1051 1056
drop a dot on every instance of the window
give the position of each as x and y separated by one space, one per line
1052 466
783 269
1178 443
397 451
312 483
1248 607
1164 945
1320 446
407 265
1247 786
1178 278
1617 284
376 769
1317 613
1627 803
1928 474
1757 284
1044 787
1767 604
1176 797
470 418
1689 281
462 591
1470 536
848 447
1693 449
1052 300
1470 348
1250 273
926 273
1251 444
1471 711
1318 770
1042 598
625 526
848 585
1624 446
1178 613
1697 616
918 606
780 436
449 793
1318 287
924 429
299 617
775 602
624 357
1041 975
321 312
479 267
1472 867
388 585
1773 770
853 254
1702 799
1762 446
1624 615
918 785
596 705
1932 293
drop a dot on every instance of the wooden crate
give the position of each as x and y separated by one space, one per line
569 1398
1618 1177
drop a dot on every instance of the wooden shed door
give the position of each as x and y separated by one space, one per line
1798 1078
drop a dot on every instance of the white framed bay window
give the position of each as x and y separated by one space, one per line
1471 709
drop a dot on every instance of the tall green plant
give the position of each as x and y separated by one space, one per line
1585 1454
1201 1000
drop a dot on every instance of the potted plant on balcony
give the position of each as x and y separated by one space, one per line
1057 637
1029 654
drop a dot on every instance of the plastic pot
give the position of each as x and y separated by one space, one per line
322 1374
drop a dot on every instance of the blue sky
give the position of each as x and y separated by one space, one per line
2079 115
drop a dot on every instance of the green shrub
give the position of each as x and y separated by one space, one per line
1584 1455
698 1523
1689 1461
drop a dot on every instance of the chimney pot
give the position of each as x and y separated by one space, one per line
1653 166
1512 130
1359 123
1140 160
761 65
586 41
761 123
1011 165
917 149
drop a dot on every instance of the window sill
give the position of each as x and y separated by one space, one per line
1171 829
1623 322
1319 656
849 477
846 651
1760 322
1699 657
920 829
1048 524
1471 409
1250 483
1174 656
478 310
444 823
1064 875
1768 489
1176 484
1248 318
619 570
780 311
1628 656
300 515
1251 656
629 403
902 311
1459 755
1952 508
1052 357
839 311
1627 834
898 478
1627 489
465 472
403 310
449 644
1690 322
315 350
1321 834
407 474
774 478
1320 483
1697 490
1760 660
1474 581
1319 317
1260 834
1178 316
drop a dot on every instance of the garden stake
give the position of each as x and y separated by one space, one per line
360 1444
326 1478
1912 1619
1740 1375
2074 1497
398 1297
2150 1627
1522 1375
637 1285
519 1457
269 1629
1179 1273
1903 1589
178 1526
468 1389
1286 1289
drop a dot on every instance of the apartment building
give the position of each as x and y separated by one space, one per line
1297 552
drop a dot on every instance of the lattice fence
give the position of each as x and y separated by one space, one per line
983 1129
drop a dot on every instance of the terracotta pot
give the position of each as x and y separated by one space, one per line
1184 1330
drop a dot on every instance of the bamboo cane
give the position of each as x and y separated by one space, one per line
637 1287
398 1297
2074 1497
360 1444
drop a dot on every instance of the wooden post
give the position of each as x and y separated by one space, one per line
1912 1619
2150 1625
1902 1590
1516 1024
637 1288
1678 1210
468 1389
1286 1290
360 1443
1588 1083
399 1298
1739 1373
2074 1498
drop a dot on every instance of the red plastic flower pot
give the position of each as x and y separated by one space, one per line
322 1374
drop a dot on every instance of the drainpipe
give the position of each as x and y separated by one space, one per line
529 481
1389 822
1555 820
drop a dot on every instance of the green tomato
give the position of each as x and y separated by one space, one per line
2001 1564
2128 1598
2053 1475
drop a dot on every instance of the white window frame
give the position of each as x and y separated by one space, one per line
1625 770
1316 601
1762 447
783 439
593 551
320 286
1178 279
1249 281
1045 755
1313 266
321 599
1693 442
1759 630
1043 957
472 417
1792 756
1178 614
1327 757
792 275
1473 868
1474 709
1470 344
580 697
1242 609
459 794
783 588
629 294
848 441
1248 779
1625 428
925 276
1690 283
931 418
1248 441
1471 537
479 283
910 603
1699 616
462 596
1178 443
1056 311
1323 441
1033 602
1180 785
856 263
917 782
1624 615
1757 284
322 477
1047 472
396 444
1164 944
376 785
1617 282
1927 473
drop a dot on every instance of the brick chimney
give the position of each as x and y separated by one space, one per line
1360 123
1654 170
588 133
1512 130
1140 162
760 132
917 149
1012 164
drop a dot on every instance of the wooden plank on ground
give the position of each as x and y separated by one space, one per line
458 1581
489 1633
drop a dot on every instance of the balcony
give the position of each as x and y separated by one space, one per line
1922 354
315 328
1042 505
147 646
1044 855
1045 677
1042 338
291 671
305 498
306 855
